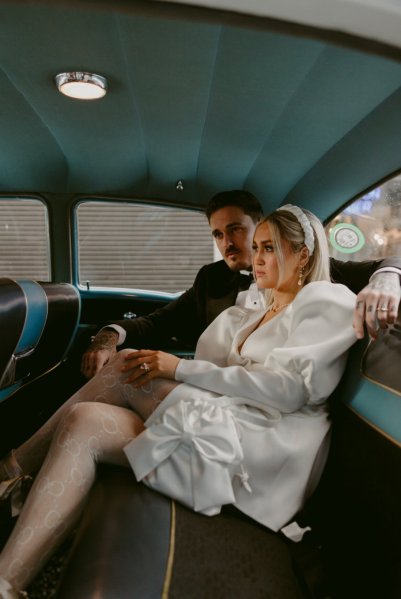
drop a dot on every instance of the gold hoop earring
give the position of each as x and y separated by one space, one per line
300 275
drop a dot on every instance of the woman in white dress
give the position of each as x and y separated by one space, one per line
244 423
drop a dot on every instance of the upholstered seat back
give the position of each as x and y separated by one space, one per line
12 320
37 328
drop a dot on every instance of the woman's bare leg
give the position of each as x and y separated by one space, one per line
88 433
109 387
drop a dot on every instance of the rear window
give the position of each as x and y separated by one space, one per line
24 239
140 246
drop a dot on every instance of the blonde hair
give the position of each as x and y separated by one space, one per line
285 225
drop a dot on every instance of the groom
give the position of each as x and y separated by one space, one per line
232 217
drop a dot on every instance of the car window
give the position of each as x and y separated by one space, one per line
140 246
24 239
369 227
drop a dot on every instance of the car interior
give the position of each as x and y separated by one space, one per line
101 218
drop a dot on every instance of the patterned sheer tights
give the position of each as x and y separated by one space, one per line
92 426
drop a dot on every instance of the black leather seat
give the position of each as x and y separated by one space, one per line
60 327
134 542
38 323
13 308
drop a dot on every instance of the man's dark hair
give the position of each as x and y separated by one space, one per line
236 197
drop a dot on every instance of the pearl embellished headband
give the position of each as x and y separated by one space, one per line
305 224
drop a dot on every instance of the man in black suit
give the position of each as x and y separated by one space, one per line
233 216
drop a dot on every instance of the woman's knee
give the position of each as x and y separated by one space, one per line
121 355
79 416
116 363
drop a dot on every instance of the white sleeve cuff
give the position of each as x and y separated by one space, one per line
178 371
393 269
122 334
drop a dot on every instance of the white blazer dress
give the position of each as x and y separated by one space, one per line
251 427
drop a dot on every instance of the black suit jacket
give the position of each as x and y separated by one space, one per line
215 288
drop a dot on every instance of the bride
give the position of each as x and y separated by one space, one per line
244 423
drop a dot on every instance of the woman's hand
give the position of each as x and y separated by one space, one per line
148 364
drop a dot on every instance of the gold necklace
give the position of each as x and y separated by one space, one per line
275 308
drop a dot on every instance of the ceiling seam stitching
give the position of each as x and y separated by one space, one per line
56 141
339 141
208 101
133 95
279 117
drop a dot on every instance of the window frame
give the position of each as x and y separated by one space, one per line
103 291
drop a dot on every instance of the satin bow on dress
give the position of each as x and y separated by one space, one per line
187 454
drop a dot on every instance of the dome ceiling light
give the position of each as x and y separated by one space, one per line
82 86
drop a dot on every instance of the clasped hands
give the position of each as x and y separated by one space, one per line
147 364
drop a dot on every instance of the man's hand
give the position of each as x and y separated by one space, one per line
377 304
102 349
148 364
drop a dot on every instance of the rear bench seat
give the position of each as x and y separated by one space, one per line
132 542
